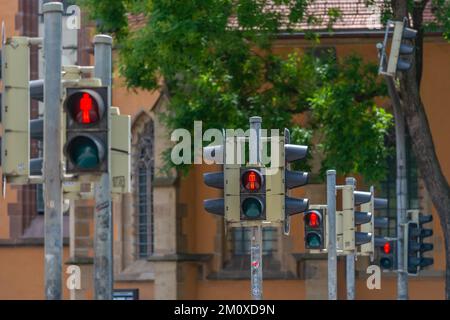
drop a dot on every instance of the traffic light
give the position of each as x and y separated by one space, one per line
15 109
348 237
386 253
214 180
294 179
87 125
252 194
36 133
36 126
370 222
415 247
400 48
315 224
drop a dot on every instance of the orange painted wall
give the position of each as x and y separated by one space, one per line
22 272
240 289
419 289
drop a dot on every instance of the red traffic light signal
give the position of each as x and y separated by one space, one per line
251 180
387 248
386 253
85 107
86 149
252 194
313 219
314 229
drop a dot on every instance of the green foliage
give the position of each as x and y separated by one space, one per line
352 125
222 75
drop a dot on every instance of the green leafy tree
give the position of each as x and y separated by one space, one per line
413 109
218 66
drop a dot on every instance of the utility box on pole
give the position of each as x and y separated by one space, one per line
120 149
16 110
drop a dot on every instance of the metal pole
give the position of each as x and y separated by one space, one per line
332 249
52 149
350 261
103 254
256 237
402 276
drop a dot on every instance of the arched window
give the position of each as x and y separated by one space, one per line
143 190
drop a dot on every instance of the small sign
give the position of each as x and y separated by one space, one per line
126 294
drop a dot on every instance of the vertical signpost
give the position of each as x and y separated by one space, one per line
350 260
256 231
103 259
332 246
388 67
52 149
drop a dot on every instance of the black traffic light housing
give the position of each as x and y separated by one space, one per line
401 49
252 186
416 247
314 227
386 253
294 179
362 217
214 180
87 121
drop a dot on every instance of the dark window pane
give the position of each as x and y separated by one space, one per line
388 187
242 240
144 191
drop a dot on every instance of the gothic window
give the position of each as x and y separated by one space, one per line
143 189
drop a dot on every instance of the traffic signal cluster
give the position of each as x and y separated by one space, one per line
401 48
415 245
96 136
254 194
357 223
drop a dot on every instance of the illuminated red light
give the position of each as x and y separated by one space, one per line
387 248
252 181
86 108
313 220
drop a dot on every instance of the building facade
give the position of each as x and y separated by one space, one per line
165 245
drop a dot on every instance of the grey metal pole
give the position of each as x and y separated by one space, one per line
332 249
401 183
52 150
350 261
103 238
256 237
